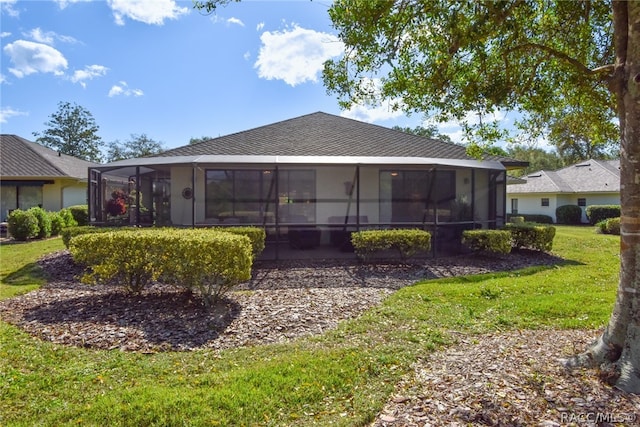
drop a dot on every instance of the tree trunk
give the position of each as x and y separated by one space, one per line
617 351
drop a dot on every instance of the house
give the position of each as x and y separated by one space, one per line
591 182
34 175
310 180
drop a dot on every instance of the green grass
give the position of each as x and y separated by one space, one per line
342 377
19 272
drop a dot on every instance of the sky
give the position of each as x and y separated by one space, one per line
162 69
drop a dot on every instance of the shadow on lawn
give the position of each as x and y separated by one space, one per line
160 318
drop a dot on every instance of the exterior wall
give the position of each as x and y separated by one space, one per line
61 194
331 196
531 203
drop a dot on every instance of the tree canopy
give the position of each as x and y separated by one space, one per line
72 130
136 146
452 58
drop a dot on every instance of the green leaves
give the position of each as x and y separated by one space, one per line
72 130
450 58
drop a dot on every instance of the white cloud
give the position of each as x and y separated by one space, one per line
295 55
372 114
235 21
47 37
122 89
260 26
30 57
153 12
7 7
89 72
247 55
39 36
3 79
7 112
4 34
64 3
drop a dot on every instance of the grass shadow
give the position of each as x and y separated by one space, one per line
26 275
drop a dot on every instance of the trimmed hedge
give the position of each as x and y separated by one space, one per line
255 234
209 261
494 241
71 232
569 214
609 226
22 225
539 219
80 213
407 242
531 236
597 213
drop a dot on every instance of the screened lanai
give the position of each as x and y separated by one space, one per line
304 203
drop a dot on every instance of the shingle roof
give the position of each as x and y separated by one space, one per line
591 176
322 134
20 158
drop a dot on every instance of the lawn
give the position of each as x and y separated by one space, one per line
342 378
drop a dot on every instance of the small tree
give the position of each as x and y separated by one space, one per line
72 131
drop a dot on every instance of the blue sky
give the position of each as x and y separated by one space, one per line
160 68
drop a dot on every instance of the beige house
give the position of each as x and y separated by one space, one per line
591 182
309 181
34 175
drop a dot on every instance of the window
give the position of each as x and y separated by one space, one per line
243 194
514 206
582 202
249 195
417 196
544 201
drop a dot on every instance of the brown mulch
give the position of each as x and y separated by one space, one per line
503 379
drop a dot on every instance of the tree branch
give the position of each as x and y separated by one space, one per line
569 60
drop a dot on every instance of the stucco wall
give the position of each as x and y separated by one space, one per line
531 203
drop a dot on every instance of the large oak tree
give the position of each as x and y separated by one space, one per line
537 57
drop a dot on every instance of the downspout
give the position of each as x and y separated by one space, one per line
473 196
193 194
504 199
357 183
277 213
138 195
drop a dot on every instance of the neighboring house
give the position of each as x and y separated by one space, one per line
34 175
591 182
316 174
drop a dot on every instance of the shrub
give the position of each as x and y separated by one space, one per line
22 225
44 222
609 226
69 220
57 223
531 236
539 219
516 219
569 214
208 261
255 234
597 213
71 232
80 213
494 241
406 242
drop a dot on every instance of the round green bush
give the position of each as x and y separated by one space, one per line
22 225
69 220
80 214
613 226
44 222
569 214
57 223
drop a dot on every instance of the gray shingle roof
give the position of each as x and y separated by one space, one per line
591 176
322 134
20 158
